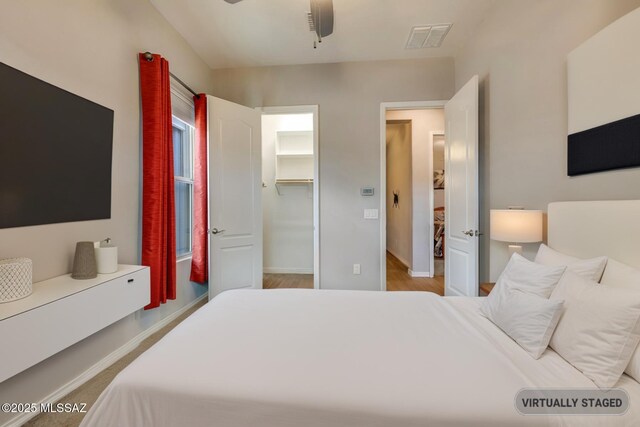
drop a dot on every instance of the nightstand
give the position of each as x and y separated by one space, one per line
486 288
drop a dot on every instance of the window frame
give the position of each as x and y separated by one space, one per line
188 164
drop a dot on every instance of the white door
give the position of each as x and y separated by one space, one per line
235 197
461 192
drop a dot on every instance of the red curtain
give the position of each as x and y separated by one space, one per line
199 261
158 201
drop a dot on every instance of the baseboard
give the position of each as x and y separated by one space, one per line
402 260
419 273
103 363
276 270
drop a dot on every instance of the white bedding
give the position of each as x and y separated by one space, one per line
285 358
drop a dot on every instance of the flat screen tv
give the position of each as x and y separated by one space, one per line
55 154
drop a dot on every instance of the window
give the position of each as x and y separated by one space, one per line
183 136
183 141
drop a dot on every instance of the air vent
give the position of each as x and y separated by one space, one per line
417 37
427 36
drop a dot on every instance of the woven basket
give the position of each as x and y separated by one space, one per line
15 279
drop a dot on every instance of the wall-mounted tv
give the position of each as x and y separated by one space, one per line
55 154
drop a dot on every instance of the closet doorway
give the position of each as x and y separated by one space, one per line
290 197
414 198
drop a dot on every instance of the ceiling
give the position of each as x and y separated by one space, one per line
276 32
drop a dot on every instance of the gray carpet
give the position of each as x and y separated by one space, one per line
89 391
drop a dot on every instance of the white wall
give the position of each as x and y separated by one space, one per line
90 48
349 97
423 124
399 236
520 53
288 216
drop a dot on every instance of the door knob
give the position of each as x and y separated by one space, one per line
469 233
216 231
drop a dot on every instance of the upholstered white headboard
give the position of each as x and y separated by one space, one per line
590 229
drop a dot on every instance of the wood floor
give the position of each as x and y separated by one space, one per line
281 281
398 279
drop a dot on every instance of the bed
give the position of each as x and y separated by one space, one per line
349 358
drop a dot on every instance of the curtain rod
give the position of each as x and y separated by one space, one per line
149 57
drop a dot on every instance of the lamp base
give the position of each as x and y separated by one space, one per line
515 249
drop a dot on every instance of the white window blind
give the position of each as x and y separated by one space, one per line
182 103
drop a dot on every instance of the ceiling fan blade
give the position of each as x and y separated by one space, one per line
322 16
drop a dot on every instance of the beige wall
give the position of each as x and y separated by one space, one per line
89 48
349 97
520 54
399 229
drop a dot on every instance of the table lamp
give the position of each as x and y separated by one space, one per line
516 226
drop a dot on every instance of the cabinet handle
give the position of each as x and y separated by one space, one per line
130 281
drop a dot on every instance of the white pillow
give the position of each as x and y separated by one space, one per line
590 268
621 275
523 277
527 276
528 319
599 329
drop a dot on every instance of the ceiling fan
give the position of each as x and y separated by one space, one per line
320 17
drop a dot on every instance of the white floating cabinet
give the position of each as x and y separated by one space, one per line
62 311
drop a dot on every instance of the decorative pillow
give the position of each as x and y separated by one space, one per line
621 275
599 329
516 303
590 268
528 319
527 276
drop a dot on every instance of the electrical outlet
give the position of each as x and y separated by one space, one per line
356 268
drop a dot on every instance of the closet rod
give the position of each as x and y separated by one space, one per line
149 57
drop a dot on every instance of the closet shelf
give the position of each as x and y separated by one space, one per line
294 158
294 181
295 155
280 182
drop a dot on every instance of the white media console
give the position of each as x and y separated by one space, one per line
62 311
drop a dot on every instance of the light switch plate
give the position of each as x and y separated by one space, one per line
371 214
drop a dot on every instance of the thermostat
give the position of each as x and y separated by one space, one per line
366 191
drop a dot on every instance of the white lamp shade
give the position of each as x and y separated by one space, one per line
516 225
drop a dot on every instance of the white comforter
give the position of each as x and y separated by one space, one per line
303 358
